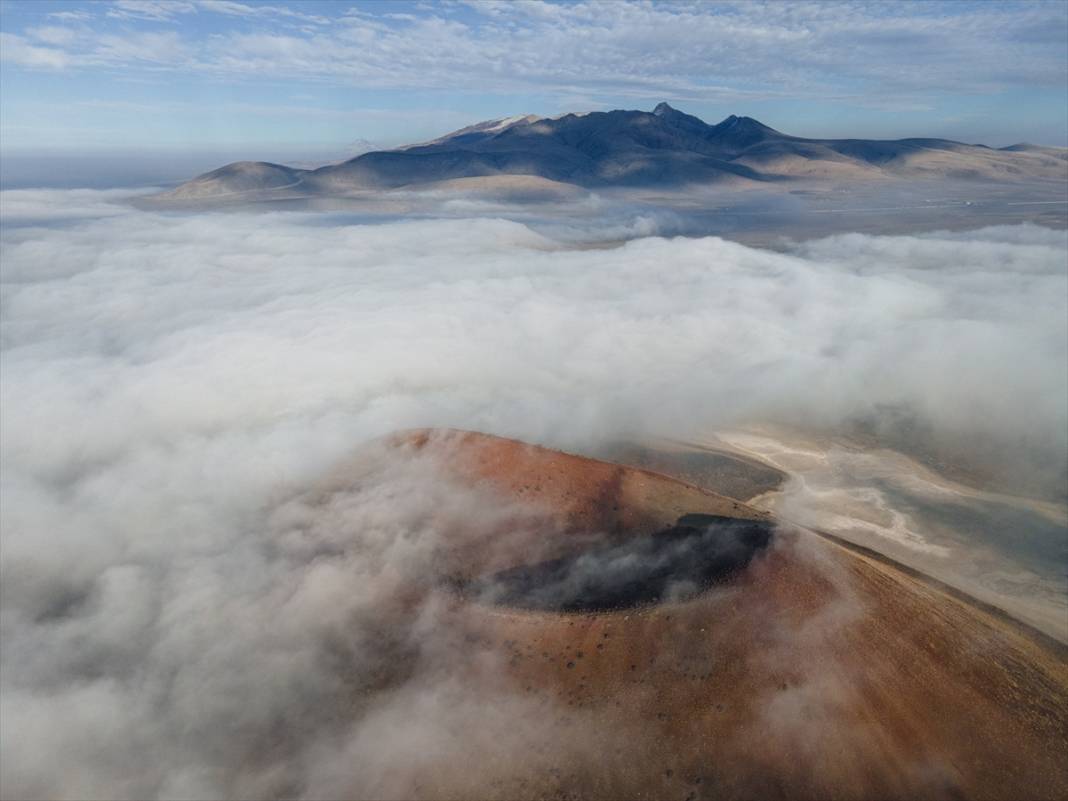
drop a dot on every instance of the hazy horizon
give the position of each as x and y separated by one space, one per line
109 167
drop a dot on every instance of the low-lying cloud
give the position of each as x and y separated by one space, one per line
171 382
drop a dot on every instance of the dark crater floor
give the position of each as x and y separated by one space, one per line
671 565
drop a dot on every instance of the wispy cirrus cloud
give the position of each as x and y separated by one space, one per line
22 52
171 10
156 10
231 8
905 69
682 50
77 15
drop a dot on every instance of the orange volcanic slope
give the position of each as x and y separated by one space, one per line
811 671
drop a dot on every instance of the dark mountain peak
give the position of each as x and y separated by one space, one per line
670 114
742 124
737 133
679 121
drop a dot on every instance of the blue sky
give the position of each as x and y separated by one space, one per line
291 78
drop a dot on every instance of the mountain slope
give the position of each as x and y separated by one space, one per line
665 148
239 179
801 668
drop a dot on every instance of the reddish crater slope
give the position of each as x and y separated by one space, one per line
783 666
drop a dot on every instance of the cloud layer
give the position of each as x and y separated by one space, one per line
172 384
749 50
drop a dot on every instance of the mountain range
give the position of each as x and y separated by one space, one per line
661 148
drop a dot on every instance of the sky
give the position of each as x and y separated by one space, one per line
321 80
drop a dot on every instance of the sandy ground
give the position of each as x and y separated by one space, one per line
1006 550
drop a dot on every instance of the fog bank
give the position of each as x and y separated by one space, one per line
172 382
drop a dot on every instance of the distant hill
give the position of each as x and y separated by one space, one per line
662 148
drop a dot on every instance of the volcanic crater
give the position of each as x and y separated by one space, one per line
698 552
664 641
